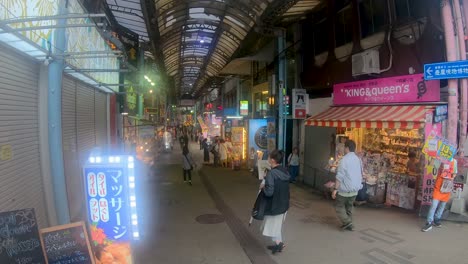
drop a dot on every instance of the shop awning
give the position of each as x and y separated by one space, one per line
396 116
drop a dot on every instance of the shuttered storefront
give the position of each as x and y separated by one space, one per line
70 150
84 126
100 118
21 182
86 136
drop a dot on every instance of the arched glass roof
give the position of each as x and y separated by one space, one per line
198 37
128 14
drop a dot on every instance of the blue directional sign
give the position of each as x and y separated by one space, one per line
446 70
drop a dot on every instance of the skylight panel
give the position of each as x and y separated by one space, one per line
199 13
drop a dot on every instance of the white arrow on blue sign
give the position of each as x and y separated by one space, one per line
446 70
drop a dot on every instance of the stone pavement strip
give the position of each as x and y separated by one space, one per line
171 234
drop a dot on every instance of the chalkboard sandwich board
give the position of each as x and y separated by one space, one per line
67 244
19 238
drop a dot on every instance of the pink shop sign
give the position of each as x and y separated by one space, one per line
399 89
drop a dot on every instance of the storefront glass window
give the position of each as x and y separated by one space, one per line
405 9
372 14
261 104
343 27
320 37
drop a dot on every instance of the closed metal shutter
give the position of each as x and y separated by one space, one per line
70 151
69 115
101 119
21 182
85 124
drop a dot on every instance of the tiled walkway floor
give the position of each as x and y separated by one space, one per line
171 233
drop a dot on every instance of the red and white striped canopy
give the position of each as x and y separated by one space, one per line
396 116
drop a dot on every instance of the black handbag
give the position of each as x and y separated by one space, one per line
260 206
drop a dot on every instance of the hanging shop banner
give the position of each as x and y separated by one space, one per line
439 148
431 145
399 89
67 244
433 132
244 108
299 103
19 238
446 151
258 134
111 202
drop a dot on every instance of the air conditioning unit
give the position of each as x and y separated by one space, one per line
366 62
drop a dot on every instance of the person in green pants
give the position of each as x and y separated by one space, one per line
348 183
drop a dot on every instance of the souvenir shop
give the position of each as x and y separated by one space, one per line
389 132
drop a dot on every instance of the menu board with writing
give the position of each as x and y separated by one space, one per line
19 238
67 244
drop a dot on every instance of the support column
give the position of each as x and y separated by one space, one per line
464 82
55 120
141 81
281 90
238 97
451 51
140 105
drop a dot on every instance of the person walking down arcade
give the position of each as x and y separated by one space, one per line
442 190
187 165
293 164
348 183
276 188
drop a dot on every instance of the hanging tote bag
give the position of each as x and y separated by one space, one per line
260 206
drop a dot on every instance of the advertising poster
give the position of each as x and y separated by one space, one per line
111 203
258 134
271 134
238 141
300 99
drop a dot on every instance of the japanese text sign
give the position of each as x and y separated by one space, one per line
446 70
110 198
440 113
399 89
108 201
